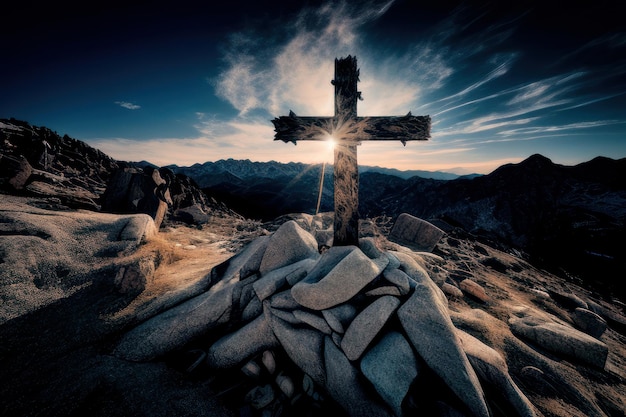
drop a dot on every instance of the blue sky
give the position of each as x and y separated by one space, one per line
188 82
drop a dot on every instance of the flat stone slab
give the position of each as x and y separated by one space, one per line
366 326
238 347
424 317
343 384
415 233
492 368
391 367
558 338
353 272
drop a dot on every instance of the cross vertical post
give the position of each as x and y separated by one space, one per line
348 131
345 170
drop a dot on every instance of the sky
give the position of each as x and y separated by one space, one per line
188 82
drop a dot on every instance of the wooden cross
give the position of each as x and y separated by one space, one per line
348 131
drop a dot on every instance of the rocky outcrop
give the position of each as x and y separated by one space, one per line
44 164
47 256
327 313
415 233
137 191
233 340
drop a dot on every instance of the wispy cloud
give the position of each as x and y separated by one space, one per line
296 74
559 128
128 105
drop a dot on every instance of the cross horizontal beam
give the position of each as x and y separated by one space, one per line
293 128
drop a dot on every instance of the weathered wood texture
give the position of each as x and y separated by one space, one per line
293 128
348 131
346 180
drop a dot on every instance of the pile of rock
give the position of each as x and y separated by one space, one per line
366 327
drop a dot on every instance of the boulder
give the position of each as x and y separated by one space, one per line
415 233
365 327
353 272
589 322
424 317
304 346
180 324
492 368
561 339
241 345
345 385
14 172
132 190
391 367
289 244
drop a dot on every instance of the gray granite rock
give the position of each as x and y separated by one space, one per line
339 317
314 320
253 309
327 262
415 233
344 384
243 344
589 322
366 325
304 346
283 300
492 368
178 325
424 317
384 290
276 279
253 264
398 278
417 274
391 367
561 339
353 272
289 244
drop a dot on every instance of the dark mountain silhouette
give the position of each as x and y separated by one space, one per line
569 219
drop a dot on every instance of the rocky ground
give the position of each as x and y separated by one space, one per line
58 334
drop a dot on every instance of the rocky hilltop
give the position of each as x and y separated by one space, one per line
108 311
109 318
35 161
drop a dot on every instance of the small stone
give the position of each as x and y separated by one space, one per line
286 385
260 396
269 361
474 289
451 290
589 322
251 369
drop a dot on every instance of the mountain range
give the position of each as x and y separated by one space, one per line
568 219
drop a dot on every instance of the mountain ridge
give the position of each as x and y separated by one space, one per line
246 168
567 218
